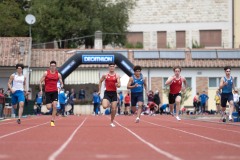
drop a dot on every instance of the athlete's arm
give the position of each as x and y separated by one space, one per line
169 81
184 82
41 80
118 85
24 84
222 83
233 85
100 83
60 79
145 84
129 85
10 82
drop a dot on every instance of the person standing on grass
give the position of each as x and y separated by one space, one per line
137 83
112 82
51 78
227 85
17 84
175 82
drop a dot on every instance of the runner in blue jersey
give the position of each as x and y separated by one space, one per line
136 84
227 85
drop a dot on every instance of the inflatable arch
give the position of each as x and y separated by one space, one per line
95 58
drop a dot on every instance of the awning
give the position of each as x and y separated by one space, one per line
76 77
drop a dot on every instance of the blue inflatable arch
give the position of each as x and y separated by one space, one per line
95 58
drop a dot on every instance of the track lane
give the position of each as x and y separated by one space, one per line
97 140
167 135
40 142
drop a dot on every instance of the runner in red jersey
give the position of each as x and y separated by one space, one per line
112 82
50 78
175 83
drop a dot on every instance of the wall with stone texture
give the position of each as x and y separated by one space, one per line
150 16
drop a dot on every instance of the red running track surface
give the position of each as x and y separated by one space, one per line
91 138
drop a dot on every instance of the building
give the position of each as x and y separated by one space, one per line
170 32
185 23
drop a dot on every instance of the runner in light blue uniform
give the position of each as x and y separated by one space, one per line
227 85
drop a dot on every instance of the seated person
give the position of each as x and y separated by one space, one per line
153 108
163 108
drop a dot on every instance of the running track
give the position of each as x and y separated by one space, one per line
91 138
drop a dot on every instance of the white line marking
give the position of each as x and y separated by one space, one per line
211 139
202 126
14 121
12 133
169 155
57 152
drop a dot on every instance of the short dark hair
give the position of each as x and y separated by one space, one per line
53 62
19 65
137 68
110 64
227 67
177 67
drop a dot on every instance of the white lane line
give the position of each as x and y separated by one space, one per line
14 121
211 139
167 154
58 151
202 126
12 133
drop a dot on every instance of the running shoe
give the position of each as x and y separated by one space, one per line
52 124
230 118
178 118
112 125
19 121
137 120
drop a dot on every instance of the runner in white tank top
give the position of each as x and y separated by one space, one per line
16 84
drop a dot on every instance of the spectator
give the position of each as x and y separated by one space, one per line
196 103
203 99
235 99
81 94
152 108
96 102
217 100
72 92
121 97
163 108
39 102
62 101
150 96
127 100
71 102
156 99
2 102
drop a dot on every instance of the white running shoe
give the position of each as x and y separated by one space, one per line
230 118
178 118
112 125
137 120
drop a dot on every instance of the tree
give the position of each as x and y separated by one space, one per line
12 19
66 21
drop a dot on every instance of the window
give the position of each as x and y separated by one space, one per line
164 81
211 38
180 39
162 39
189 82
135 37
215 81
